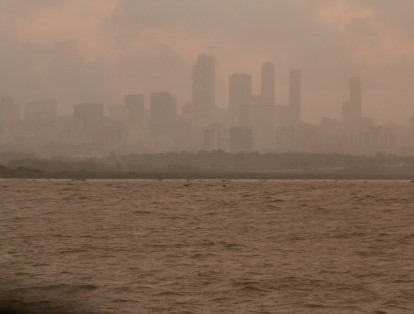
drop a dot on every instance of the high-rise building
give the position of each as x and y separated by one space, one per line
351 109
134 102
355 97
268 84
163 113
203 89
295 101
240 97
9 113
42 112
215 138
241 140
346 113
240 90
134 108
88 121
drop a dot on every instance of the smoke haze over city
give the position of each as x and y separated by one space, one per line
77 52
91 50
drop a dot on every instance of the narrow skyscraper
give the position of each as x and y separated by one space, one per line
88 121
240 97
240 90
351 109
268 84
295 102
203 89
203 76
163 113
135 102
42 112
134 108
355 97
9 113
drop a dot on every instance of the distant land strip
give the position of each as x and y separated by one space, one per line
27 173
210 165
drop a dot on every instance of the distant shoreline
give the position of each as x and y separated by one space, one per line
26 173
210 165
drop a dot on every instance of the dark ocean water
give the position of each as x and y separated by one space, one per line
208 246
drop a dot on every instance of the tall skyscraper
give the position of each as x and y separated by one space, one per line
134 101
268 84
42 112
163 113
240 98
355 97
295 99
351 109
88 120
135 108
346 113
203 75
240 90
9 113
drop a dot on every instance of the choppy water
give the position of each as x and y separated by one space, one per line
208 246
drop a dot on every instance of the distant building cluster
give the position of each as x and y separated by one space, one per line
248 123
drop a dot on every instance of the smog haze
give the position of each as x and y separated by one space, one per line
92 50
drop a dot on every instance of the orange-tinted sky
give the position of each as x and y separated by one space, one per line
98 50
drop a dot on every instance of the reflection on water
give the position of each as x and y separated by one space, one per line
208 246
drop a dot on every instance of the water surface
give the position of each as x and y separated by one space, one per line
119 246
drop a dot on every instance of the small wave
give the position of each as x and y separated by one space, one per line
201 255
142 212
120 301
316 306
349 235
230 245
253 288
73 251
167 293
67 286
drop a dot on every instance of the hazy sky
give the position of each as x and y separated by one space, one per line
98 50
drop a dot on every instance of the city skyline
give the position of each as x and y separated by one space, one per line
97 52
131 76
264 84
249 123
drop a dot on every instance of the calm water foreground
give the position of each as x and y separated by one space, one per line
113 246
